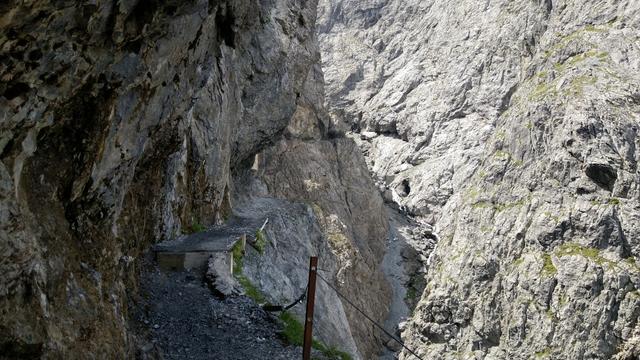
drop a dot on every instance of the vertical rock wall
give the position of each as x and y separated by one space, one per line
331 176
120 122
512 126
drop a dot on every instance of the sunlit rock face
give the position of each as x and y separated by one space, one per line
512 126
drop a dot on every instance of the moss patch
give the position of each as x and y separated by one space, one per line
611 202
575 249
293 330
576 35
543 353
517 262
614 201
251 290
590 253
542 90
548 269
577 85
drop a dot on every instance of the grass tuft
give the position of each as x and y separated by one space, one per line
293 329
238 254
196 227
261 241
251 290
294 334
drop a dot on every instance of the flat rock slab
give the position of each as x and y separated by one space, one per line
216 239
206 241
193 251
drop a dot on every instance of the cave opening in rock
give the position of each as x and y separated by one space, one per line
406 187
603 175
225 21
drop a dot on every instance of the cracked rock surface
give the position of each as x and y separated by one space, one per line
511 127
126 123
120 125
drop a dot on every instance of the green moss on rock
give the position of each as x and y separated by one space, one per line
548 269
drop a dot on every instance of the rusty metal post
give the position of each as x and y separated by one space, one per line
308 318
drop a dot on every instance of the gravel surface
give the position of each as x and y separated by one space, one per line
177 317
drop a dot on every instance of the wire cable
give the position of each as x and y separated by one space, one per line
275 308
367 316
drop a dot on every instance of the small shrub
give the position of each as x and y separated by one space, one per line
411 294
550 314
331 352
564 299
631 262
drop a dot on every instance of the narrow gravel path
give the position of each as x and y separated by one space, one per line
177 317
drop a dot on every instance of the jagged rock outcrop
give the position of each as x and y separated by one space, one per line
121 123
512 126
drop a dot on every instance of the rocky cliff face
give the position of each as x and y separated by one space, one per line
123 124
331 176
512 127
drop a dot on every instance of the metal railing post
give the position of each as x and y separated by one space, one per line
308 318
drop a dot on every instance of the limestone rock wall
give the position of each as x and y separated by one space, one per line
512 126
331 176
120 123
